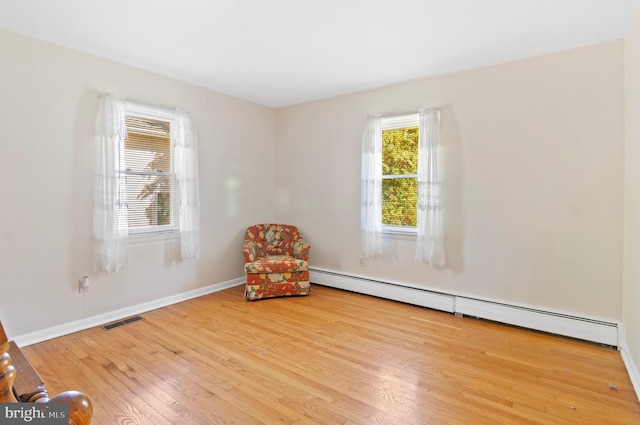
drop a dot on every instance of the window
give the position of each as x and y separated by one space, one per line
150 178
401 183
146 179
399 173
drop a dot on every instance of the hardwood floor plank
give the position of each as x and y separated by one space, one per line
333 357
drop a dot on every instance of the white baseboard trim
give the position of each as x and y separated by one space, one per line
90 322
629 364
632 370
559 323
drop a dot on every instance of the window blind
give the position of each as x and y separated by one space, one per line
148 172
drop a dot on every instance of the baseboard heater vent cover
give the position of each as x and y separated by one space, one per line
589 329
122 322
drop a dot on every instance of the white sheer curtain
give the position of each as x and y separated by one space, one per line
110 212
430 241
185 151
371 188
110 215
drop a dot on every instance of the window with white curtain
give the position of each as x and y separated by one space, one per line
399 173
146 179
401 183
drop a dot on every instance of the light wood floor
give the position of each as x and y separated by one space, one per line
333 357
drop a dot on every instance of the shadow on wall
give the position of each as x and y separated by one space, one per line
81 209
453 190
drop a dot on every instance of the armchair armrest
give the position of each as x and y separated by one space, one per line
250 251
301 249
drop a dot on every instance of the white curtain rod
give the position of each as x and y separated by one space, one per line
405 113
147 106
142 105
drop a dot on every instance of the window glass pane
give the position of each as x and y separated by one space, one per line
149 200
400 151
149 177
147 153
399 201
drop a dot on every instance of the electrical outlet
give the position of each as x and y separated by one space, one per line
83 284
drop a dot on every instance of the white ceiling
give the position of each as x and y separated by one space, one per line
284 52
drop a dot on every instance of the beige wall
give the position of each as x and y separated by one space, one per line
48 104
534 181
631 293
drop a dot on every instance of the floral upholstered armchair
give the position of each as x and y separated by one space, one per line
275 257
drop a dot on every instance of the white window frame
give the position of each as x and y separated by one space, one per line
390 123
150 233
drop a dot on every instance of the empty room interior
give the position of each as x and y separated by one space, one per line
531 314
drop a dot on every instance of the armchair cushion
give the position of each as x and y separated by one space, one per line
276 264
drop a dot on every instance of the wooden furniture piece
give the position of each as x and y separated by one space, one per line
275 257
19 382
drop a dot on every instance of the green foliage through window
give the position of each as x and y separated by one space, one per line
400 194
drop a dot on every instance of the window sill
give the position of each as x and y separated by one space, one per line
399 232
162 235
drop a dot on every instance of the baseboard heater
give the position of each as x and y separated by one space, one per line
573 326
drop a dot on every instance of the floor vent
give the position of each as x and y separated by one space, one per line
122 322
